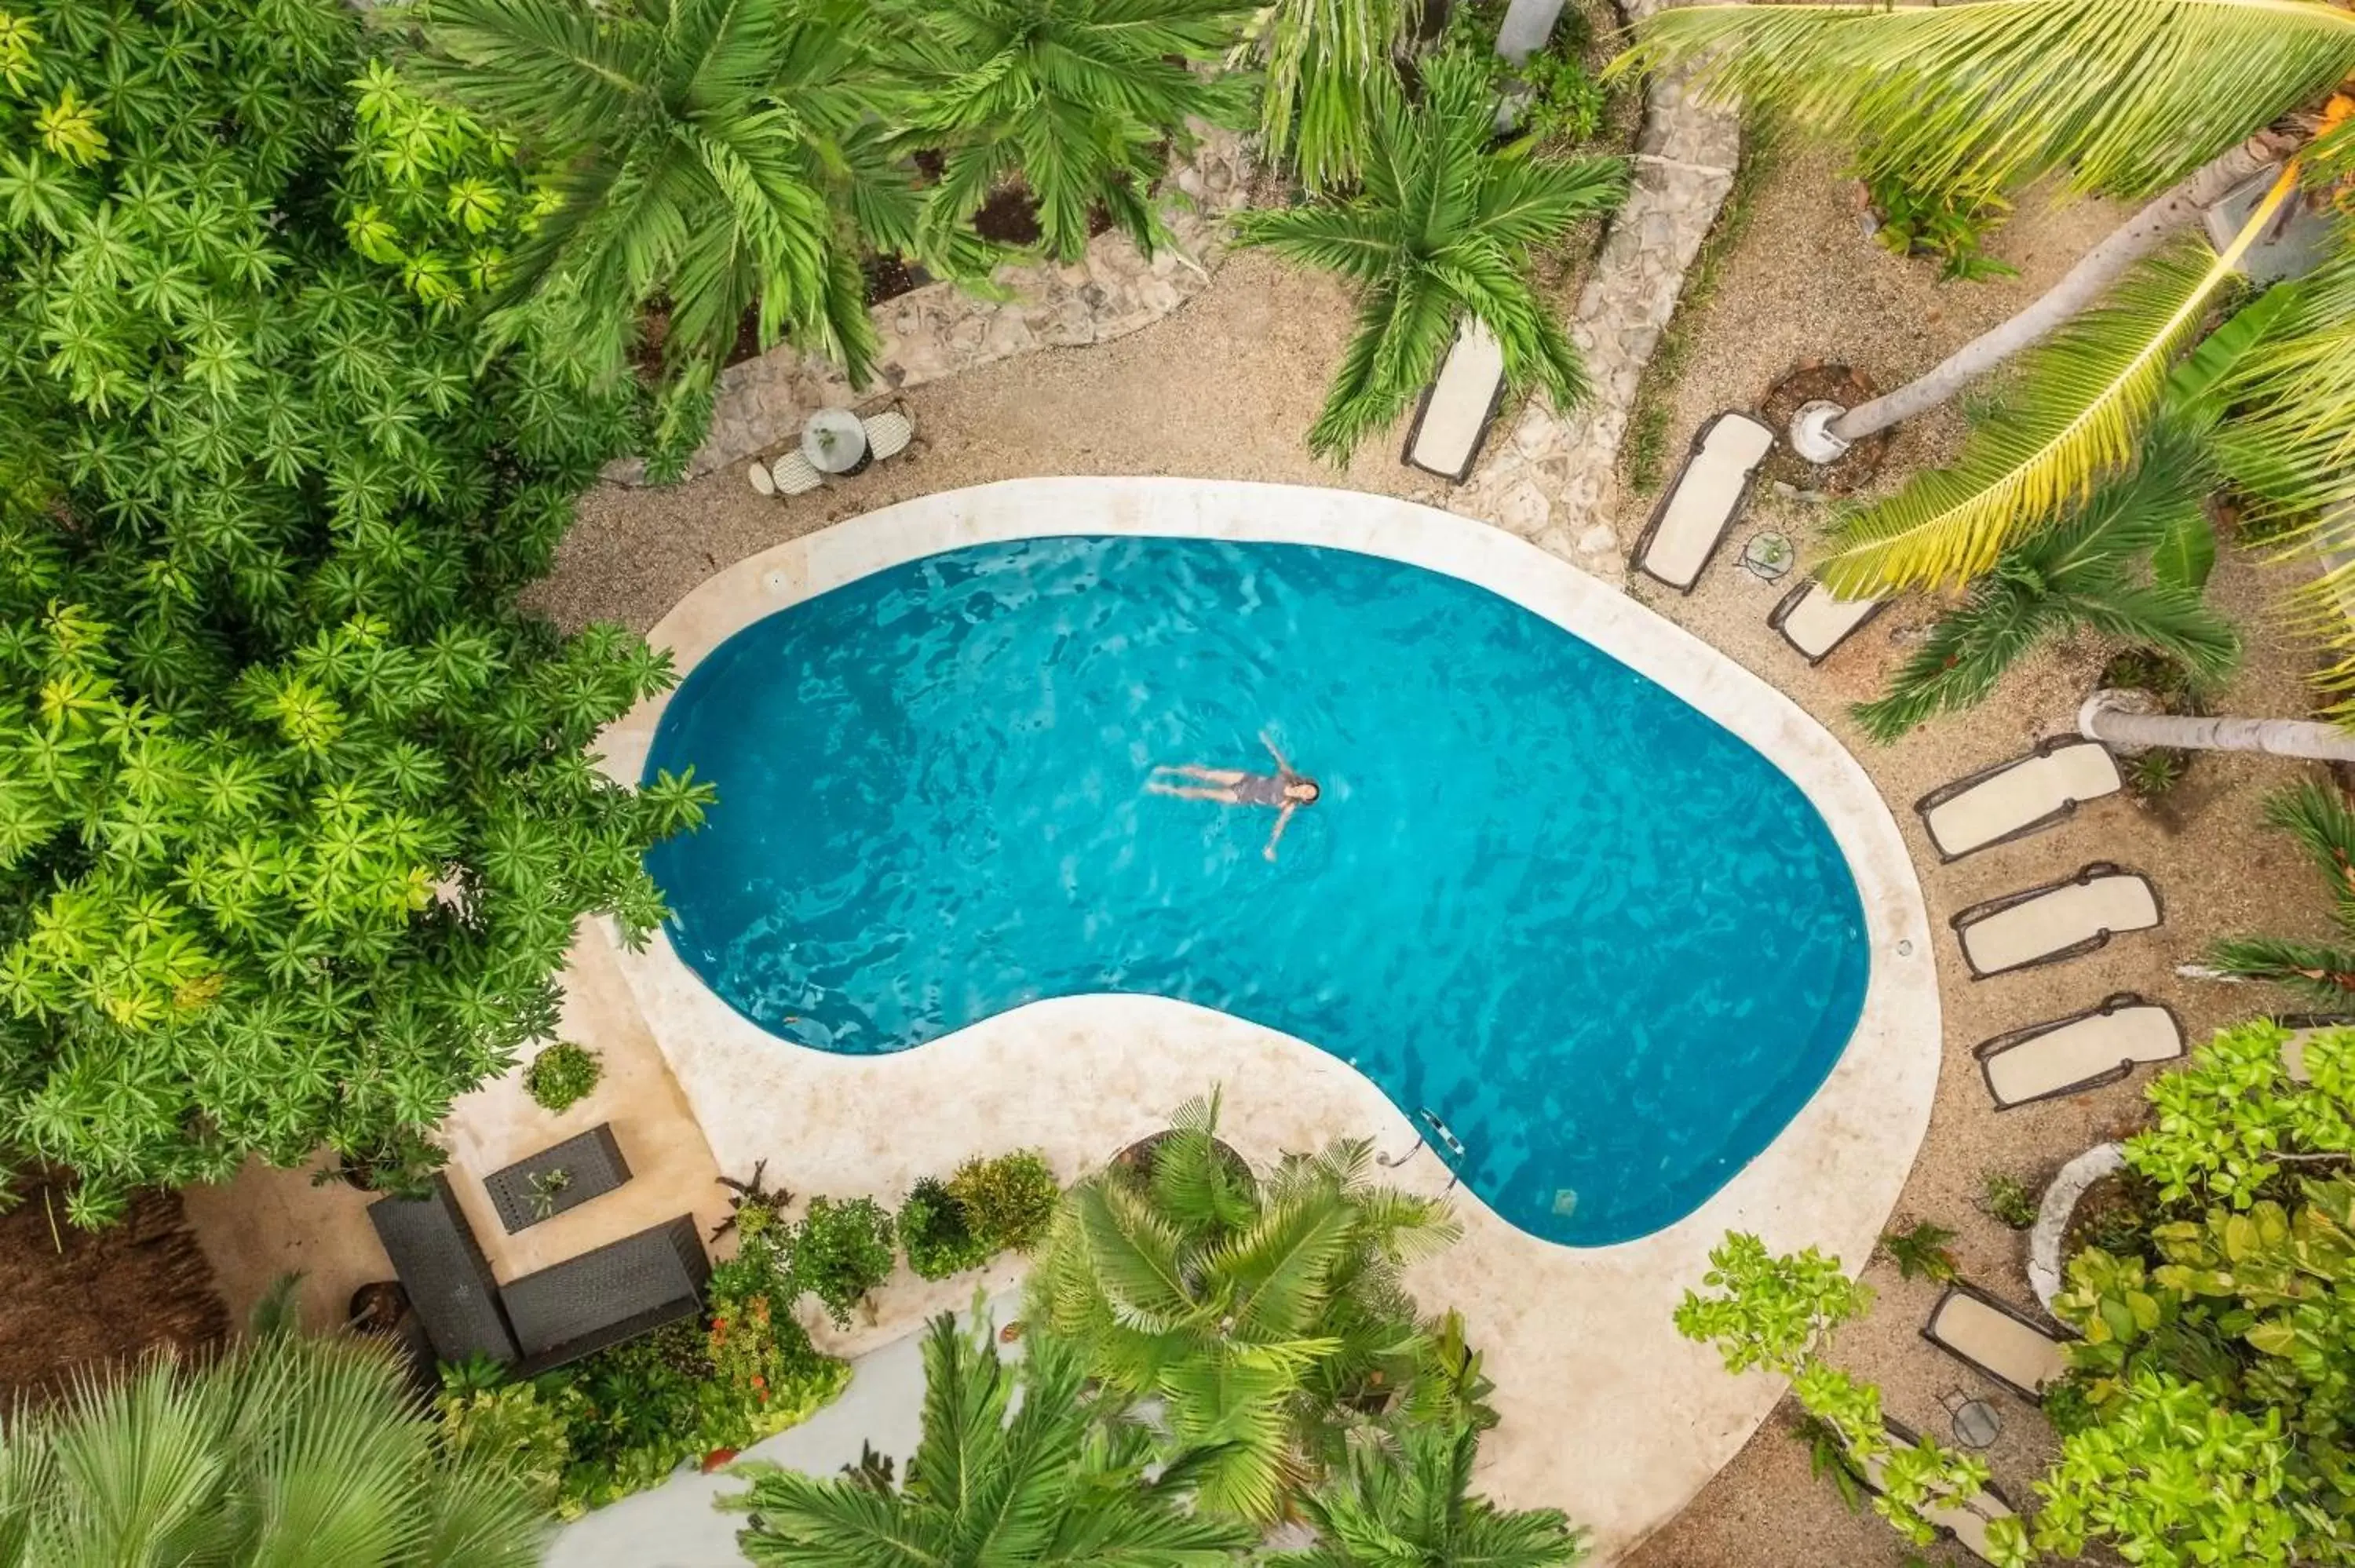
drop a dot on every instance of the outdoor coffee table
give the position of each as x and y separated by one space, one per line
592 1160
834 441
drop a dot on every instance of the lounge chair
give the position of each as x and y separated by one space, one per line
2015 798
889 433
1814 621
2058 920
1691 519
795 474
2083 1051
1965 1518
2302 1027
1458 406
1998 1340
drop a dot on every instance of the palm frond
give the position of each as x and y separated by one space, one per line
2079 402
2323 975
2119 96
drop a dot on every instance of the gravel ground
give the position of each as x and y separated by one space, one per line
1226 386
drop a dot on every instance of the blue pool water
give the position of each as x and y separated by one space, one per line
1606 942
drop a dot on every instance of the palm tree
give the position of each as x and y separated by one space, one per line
1059 1480
715 154
1443 229
284 1450
1331 74
1412 1509
2316 815
2120 720
1252 1311
2084 574
2139 99
1079 97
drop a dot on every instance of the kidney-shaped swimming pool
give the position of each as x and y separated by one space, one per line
1609 946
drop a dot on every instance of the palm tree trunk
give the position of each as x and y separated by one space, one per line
2109 716
2104 265
1528 25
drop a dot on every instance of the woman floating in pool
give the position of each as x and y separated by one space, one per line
1284 790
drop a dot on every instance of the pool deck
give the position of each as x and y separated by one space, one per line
1607 1412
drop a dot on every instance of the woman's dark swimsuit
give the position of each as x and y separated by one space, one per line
1266 788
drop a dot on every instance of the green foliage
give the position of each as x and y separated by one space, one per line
1009 1201
1565 104
840 1251
2316 815
1443 228
284 1450
2225 1120
1449 1389
2151 774
636 1412
1267 1316
1920 1251
1768 1311
562 1076
294 816
1415 1505
940 1240
514 1426
2088 573
1331 71
1055 1479
1944 224
2007 1200
1078 97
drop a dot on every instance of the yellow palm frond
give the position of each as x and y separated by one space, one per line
2072 418
2123 96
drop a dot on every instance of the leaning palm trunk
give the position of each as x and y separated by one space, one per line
2092 277
2106 717
1526 26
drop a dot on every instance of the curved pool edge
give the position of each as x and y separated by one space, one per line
1608 1413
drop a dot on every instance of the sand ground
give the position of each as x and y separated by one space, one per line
1226 387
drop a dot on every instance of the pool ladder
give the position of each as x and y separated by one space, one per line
1437 1133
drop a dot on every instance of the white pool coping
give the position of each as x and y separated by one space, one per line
1607 1414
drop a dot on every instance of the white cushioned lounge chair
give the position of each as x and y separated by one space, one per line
1997 1338
2015 798
2084 1050
1458 406
1814 621
1691 519
889 433
2058 920
1964 1519
795 474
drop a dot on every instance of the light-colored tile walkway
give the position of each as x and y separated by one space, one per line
1607 1412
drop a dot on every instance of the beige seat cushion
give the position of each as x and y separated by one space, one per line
2018 1352
1707 494
2046 1063
2058 919
1821 619
1966 1520
1460 401
2029 790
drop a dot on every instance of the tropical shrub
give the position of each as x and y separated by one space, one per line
1079 98
2007 1199
283 1449
1330 72
1415 1505
1443 228
1265 1315
1919 1250
1949 227
2316 815
1057 1478
295 819
840 1251
1775 1312
562 1076
940 1239
1009 1201
2225 1122
519 1426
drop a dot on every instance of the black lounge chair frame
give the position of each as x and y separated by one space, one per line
1479 441
1962 920
1963 1288
1779 616
1986 1051
1660 507
450 1287
2052 819
568 1309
